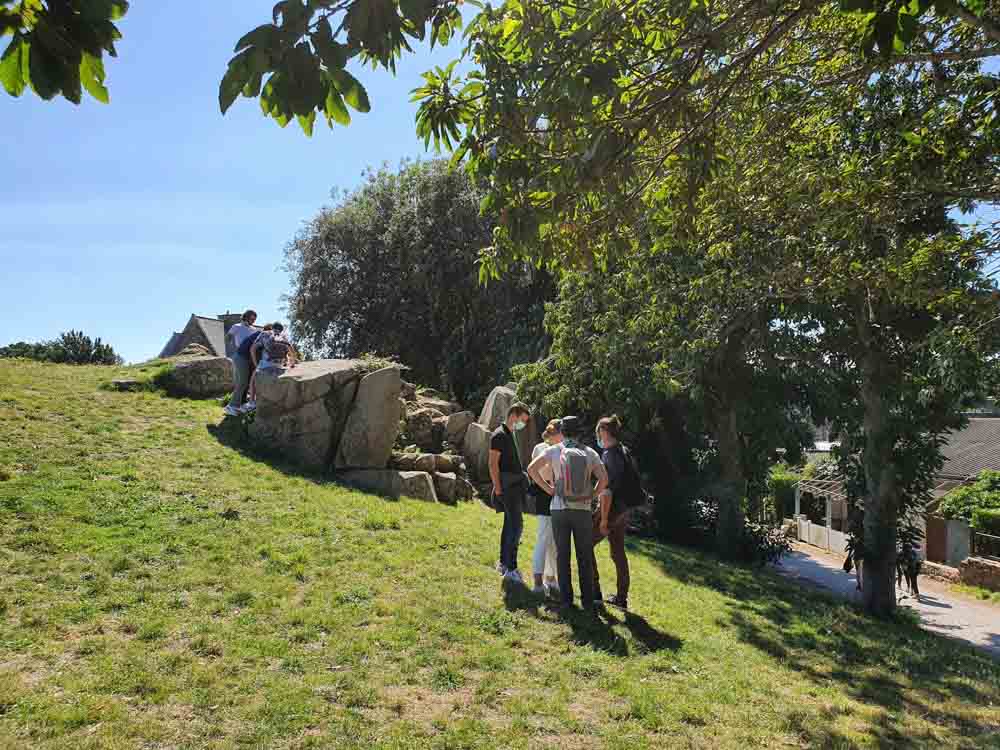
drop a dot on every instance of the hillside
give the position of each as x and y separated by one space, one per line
161 587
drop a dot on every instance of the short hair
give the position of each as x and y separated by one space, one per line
612 424
518 409
554 427
277 327
268 326
247 314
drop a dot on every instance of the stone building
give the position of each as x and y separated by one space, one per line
209 332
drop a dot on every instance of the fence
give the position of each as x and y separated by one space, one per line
985 545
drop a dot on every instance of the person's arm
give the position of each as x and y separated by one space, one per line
535 472
605 510
602 491
495 471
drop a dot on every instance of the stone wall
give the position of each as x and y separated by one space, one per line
979 571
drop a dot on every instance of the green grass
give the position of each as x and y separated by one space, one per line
978 592
160 586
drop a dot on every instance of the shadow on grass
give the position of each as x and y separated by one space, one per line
597 629
891 664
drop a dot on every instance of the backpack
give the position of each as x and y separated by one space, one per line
633 495
277 349
574 474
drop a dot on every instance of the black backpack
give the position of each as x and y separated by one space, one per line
634 496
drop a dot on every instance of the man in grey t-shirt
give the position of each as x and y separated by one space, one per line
572 515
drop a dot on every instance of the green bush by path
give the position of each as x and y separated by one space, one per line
160 586
982 494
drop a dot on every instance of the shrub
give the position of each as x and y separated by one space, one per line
781 481
986 520
759 543
70 348
983 494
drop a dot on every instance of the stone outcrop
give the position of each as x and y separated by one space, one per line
495 409
373 422
476 450
329 414
198 377
456 425
392 483
423 429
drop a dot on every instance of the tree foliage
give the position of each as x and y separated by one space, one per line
984 494
58 46
72 347
392 268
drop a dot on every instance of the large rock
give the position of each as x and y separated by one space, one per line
373 424
439 404
423 429
494 414
199 377
456 426
392 483
329 413
495 409
301 413
476 450
446 486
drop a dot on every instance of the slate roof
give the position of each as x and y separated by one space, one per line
172 346
971 450
214 331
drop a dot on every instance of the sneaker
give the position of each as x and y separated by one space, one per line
249 406
230 411
515 576
552 591
499 568
540 591
618 601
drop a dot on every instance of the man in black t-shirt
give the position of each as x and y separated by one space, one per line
509 485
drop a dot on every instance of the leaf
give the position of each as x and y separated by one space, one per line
45 72
92 77
263 36
335 109
354 93
306 122
237 76
14 66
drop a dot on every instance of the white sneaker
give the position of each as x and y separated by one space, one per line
552 591
230 411
516 575
249 406
499 568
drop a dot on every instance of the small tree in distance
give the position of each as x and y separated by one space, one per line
72 347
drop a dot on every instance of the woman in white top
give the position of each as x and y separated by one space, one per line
543 561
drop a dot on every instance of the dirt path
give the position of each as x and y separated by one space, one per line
941 609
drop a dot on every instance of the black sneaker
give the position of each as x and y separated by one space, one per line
618 601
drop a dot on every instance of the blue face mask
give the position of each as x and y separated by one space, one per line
600 443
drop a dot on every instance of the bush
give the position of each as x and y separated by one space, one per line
781 481
983 494
986 520
759 543
72 348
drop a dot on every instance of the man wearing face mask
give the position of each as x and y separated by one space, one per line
509 485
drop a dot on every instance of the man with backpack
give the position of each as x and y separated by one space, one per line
575 469
624 493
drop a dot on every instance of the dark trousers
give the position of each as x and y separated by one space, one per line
617 525
513 524
578 526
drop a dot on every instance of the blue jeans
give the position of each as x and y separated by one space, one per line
513 525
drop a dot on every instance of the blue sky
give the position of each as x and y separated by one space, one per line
123 219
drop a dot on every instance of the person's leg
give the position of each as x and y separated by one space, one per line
504 535
561 532
550 555
538 556
583 540
616 541
239 382
517 521
597 536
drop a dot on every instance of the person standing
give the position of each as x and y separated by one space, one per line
575 467
238 332
509 486
611 518
543 562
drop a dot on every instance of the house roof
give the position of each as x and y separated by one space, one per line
171 346
214 333
972 449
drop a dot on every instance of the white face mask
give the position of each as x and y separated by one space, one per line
519 425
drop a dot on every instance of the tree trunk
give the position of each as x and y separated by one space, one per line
878 580
723 386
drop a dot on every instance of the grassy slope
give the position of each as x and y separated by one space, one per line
159 588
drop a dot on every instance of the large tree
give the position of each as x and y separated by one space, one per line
392 268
